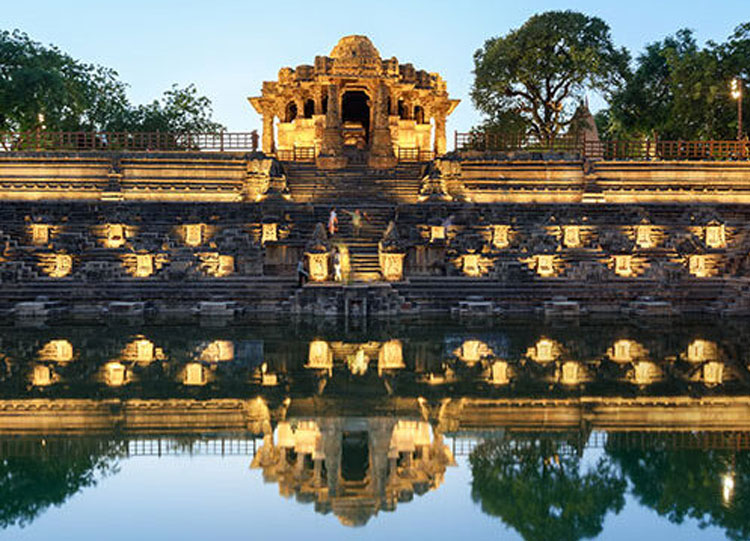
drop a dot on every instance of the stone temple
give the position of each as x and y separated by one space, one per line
354 100
208 224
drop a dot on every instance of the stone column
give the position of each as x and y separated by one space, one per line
440 140
268 145
332 143
381 148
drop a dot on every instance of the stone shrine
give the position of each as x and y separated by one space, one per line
353 100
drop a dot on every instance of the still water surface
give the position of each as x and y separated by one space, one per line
510 430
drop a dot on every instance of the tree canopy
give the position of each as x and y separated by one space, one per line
538 73
680 90
544 495
43 87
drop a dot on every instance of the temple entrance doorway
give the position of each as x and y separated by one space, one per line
355 118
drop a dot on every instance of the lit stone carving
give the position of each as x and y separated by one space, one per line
501 236
358 363
269 233
40 234
545 265
320 356
571 236
715 236
41 376
194 374
115 236
392 266
194 234
645 373
702 350
472 351
318 265
115 374
643 236
218 351
713 373
471 264
144 350
544 351
57 265
268 379
391 356
60 351
570 373
144 265
437 233
623 265
622 351
500 373
697 265
214 264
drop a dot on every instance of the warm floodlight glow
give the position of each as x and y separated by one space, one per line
715 236
571 236
500 236
194 234
727 487
269 233
40 234
623 265
471 265
115 235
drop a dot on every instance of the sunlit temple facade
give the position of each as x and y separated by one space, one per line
354 99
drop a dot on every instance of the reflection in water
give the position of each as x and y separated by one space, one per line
558 423
544 493
38 479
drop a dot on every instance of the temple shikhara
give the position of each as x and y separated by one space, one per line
354 100
354 203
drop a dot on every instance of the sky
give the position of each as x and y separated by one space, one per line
227 48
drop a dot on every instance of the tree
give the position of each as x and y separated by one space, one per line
543 494
31 484
44 88
541 70
680 90
687 483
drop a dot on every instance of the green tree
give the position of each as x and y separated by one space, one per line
541 71
42 87
31 484
680 90
544 495
687 483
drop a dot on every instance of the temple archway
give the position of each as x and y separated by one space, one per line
355 110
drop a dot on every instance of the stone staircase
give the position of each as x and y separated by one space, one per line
353 184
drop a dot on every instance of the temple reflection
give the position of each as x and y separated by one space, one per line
361 421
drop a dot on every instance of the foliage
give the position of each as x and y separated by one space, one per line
541 70
31 484
45 88
542 494
687 483
680 90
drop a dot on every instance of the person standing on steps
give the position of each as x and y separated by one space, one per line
356 221
333 222
302 274
336 266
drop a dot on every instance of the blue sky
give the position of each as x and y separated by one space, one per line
229 47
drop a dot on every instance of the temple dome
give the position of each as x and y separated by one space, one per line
355 48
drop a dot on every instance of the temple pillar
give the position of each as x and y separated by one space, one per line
440 138
332 143
381 148
268 144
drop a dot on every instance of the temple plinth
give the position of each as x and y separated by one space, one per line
354 101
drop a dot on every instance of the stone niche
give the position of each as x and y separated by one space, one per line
317 263
392 266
